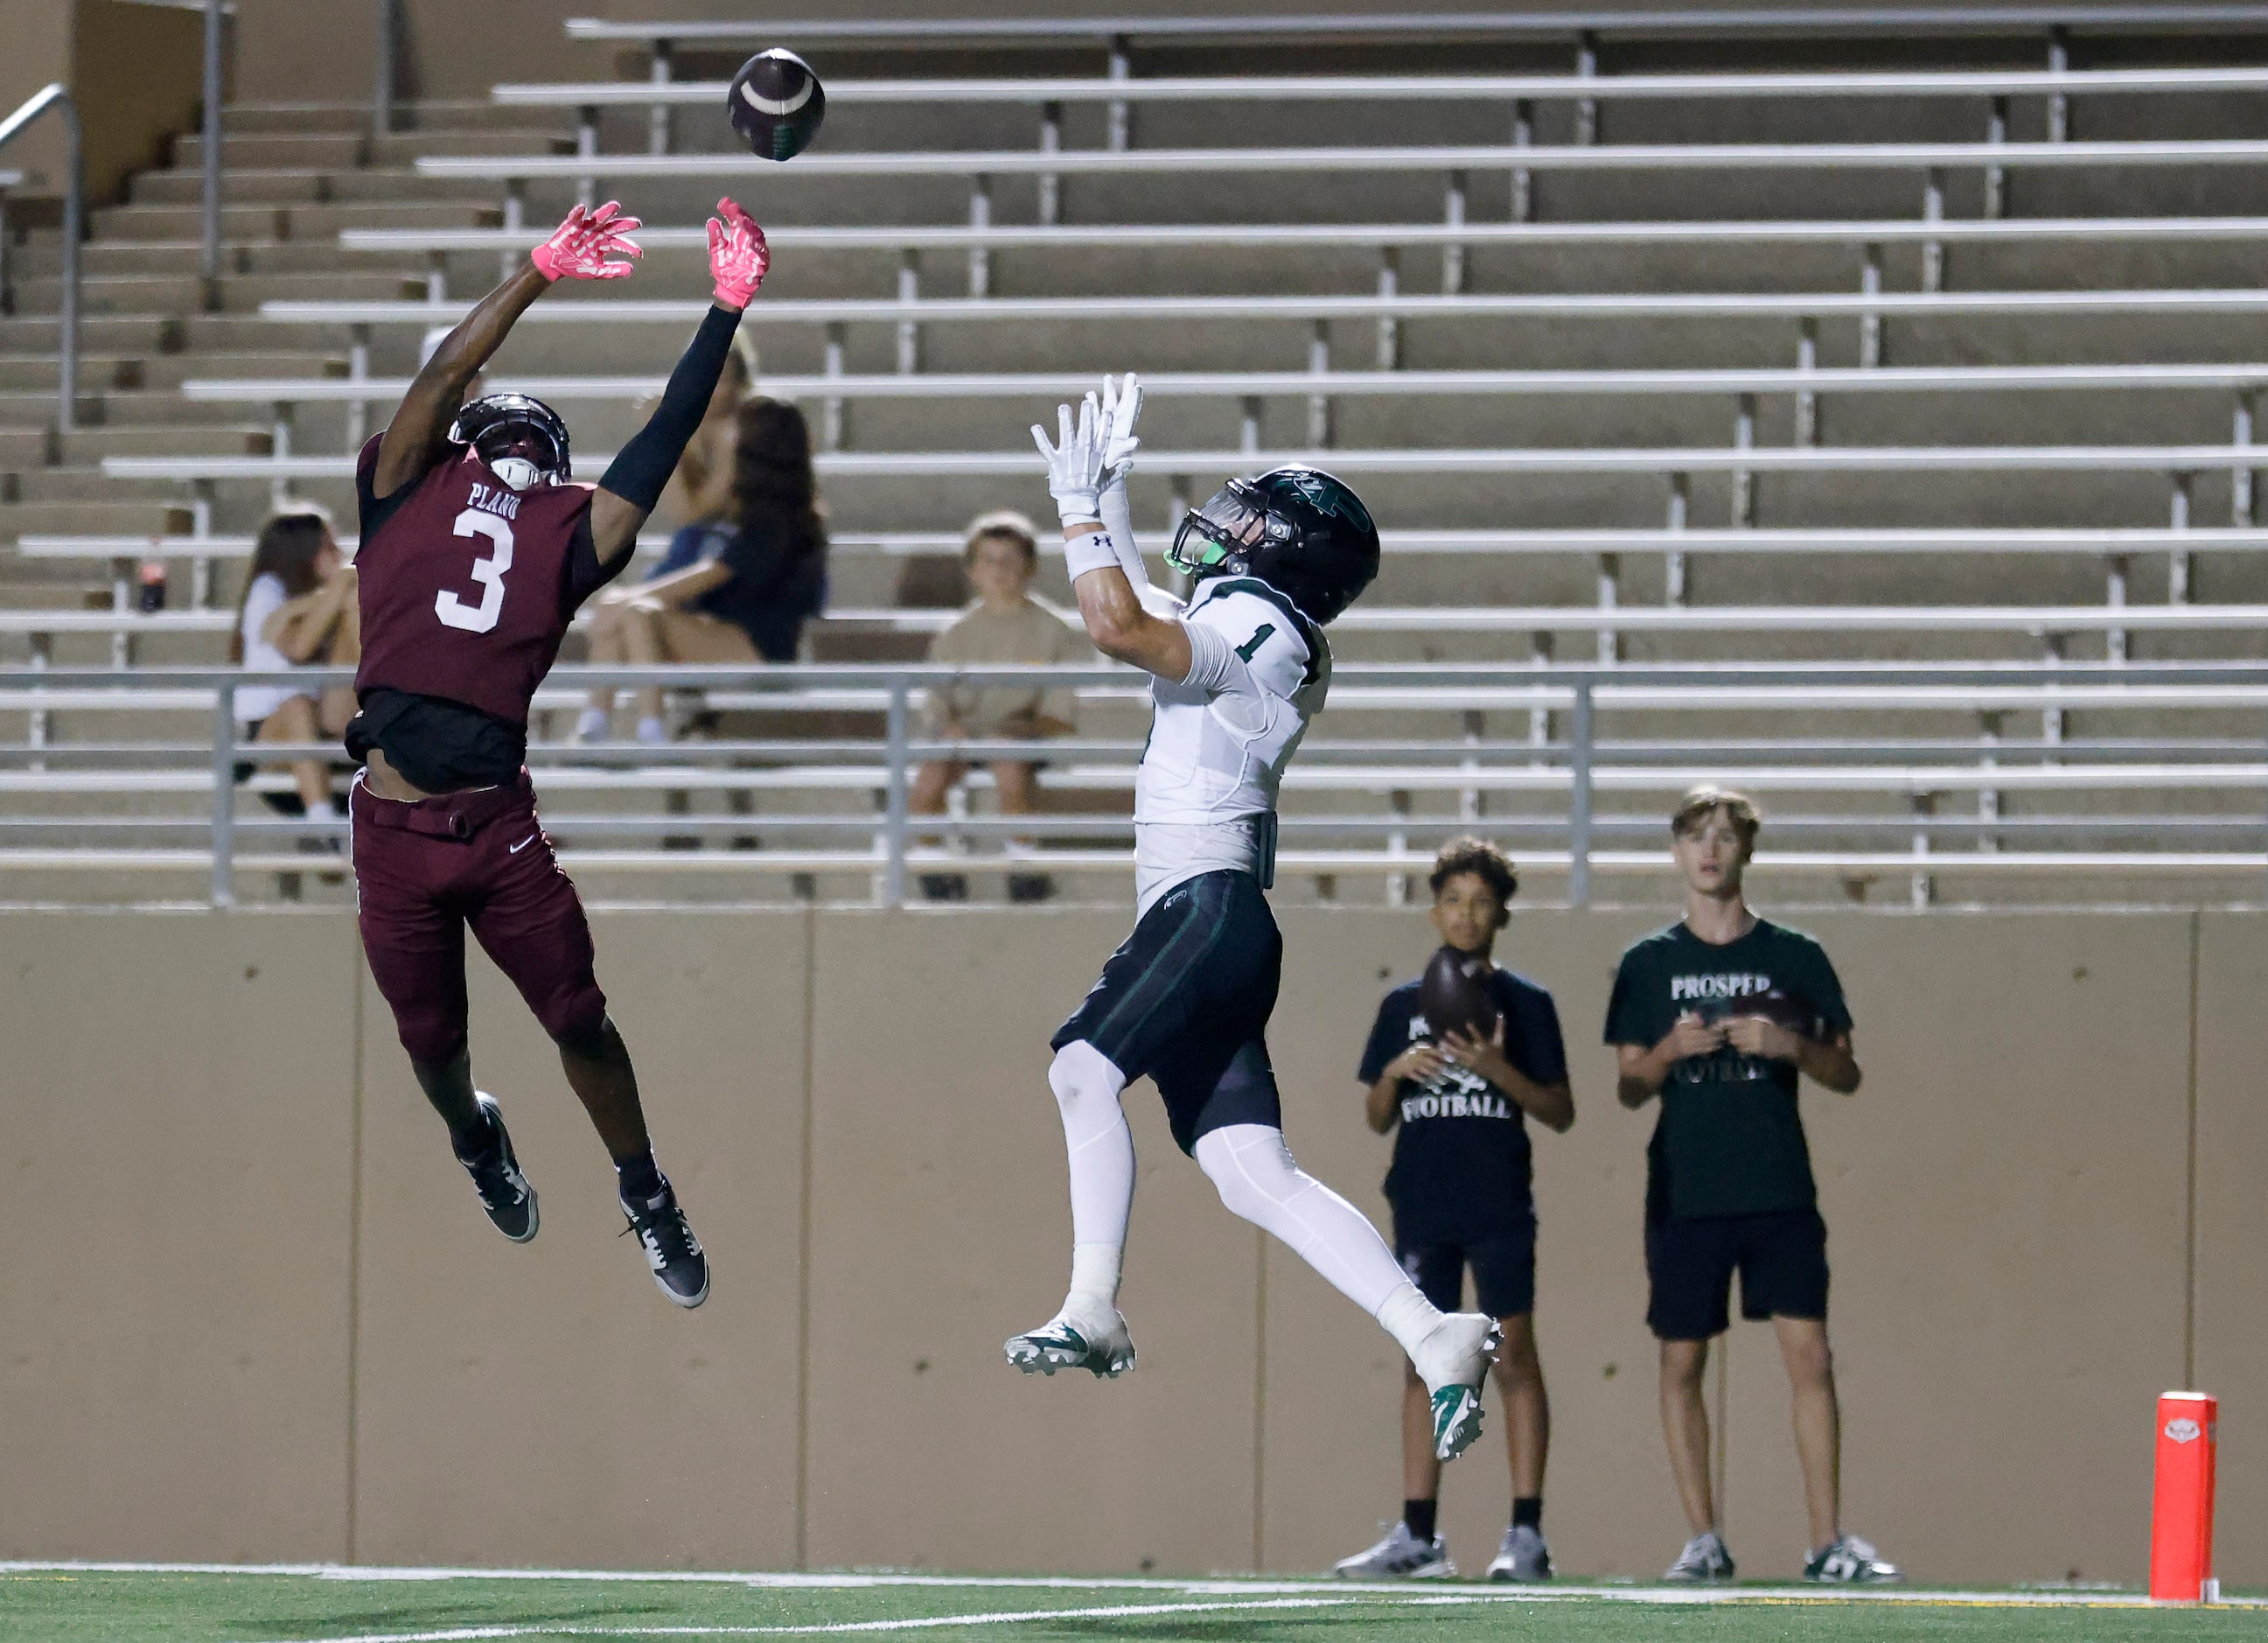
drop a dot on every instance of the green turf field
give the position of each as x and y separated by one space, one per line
84 1604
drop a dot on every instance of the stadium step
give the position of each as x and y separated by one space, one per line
165 373
122 516
242 293
301 223
98 334
296 185
32 373
78 485
480 114
87 446
345 151
117 258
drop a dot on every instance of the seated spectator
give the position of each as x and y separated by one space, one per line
1005 625
299 610
737 591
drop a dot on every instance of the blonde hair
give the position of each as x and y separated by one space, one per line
1700 803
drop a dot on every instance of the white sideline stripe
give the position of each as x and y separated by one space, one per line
1195 1586
925 1623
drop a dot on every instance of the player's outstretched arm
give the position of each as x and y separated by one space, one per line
738 260
1116 621
579 249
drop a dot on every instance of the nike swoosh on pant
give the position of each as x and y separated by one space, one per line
522 845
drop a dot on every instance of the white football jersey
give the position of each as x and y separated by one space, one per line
1205 796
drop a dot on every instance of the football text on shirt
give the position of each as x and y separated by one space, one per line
490 500
1454 1092
1726 1066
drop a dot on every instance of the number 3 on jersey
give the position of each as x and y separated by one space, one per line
487 571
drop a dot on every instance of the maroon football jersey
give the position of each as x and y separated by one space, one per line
467 585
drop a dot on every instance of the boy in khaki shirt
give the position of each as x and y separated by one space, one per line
1005 625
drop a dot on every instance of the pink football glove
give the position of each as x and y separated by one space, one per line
579 247
738 255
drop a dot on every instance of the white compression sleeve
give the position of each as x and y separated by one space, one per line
1118 519
1258 1180
1101 1153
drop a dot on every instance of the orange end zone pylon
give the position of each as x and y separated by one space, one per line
2181 1506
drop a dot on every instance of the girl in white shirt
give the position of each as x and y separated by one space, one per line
299 610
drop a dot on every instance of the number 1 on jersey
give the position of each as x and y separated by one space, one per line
488 571
1250 648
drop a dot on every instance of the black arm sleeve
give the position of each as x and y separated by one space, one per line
642 466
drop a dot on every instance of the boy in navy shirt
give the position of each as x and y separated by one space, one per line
1459 1187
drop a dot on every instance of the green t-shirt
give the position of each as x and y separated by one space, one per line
1729 1140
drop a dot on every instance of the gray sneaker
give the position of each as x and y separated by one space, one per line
1704 1559
1849 1561
1523 1557
1401 1556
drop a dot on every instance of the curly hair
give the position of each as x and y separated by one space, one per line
1467 853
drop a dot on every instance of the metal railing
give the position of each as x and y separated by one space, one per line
58 96
1388 23
1576 768
1398 88
208 192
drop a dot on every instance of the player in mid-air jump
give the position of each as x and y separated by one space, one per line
476 548
1239 669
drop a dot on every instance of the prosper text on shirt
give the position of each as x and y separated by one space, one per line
1460 1159
1729 1140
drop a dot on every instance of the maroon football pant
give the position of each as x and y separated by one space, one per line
425 871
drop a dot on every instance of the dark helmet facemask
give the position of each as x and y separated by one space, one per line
496 422
1222 536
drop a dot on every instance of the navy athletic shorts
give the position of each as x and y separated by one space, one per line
1503 1263
1690 1262
1186 1001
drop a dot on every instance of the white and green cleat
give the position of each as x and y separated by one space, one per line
1453 1362
1106 1351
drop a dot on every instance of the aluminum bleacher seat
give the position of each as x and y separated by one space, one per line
1938 367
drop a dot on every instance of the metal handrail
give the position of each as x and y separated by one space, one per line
1364 236
1423 26
1366 159
54 96
209 217
1414 87
1586 686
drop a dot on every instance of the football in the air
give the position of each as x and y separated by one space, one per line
1453 995
776 103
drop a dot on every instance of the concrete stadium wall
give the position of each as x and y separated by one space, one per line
248 1312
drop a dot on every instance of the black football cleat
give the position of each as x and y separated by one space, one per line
679 1268
504 1192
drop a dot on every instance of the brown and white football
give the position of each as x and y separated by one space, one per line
1453 995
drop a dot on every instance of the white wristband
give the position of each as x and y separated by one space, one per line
1090 552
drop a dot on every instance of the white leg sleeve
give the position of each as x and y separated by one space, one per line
1101 1153
1258 1180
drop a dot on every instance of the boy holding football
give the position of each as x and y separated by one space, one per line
1459 1190
1721 1014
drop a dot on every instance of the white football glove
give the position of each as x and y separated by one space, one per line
1075 461
1119 409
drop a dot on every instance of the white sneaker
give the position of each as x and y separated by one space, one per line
1075 1341
1523 1557
1704 1559
1849 1561
1401 1556
1453 1360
